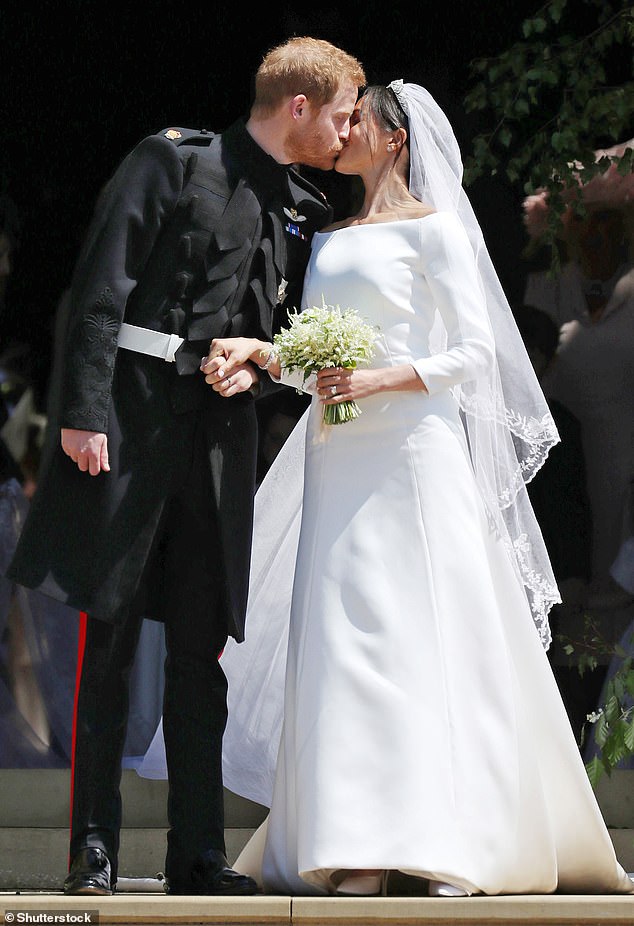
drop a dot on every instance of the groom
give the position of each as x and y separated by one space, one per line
144 503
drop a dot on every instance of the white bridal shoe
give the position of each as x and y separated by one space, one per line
363 885
442 889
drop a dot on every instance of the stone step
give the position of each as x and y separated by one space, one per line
550 910
35 858
34 815
41 798
34 826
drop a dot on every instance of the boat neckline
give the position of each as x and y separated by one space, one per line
418 218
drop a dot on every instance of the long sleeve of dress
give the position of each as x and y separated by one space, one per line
295 379
127 220
449 268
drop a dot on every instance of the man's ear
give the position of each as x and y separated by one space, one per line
297 106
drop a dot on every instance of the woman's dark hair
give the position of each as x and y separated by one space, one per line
385 107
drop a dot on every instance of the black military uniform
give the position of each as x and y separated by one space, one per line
196 235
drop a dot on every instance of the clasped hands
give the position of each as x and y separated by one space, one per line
229 367
89 449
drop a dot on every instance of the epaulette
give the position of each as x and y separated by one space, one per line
180 136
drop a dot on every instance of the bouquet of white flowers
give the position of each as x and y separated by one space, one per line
326 337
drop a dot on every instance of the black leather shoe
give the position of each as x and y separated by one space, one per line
211 874
89 873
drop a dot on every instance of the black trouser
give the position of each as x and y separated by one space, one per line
184 571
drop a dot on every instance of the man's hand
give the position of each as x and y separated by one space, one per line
88 449
227 367
241 379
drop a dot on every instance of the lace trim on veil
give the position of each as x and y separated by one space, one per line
503 488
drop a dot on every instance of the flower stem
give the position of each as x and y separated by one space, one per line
341 412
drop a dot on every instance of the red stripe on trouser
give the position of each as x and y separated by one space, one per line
83 618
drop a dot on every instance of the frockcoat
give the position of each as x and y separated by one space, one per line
197 234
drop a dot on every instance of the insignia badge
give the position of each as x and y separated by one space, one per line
172 133
292 214
294 230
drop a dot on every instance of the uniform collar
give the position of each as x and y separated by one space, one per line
263 171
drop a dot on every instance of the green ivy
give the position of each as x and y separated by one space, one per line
549 97
547 100
613 723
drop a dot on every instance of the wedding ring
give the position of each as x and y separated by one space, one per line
333 390
228 380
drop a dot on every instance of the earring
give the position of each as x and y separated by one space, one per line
391 147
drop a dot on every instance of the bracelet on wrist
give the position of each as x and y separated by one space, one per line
270 358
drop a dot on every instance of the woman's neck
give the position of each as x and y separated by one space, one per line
385 196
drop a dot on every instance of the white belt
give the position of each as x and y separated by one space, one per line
146 341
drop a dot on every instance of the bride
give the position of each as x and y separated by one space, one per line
393 704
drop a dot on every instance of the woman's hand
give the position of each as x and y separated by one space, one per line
336 384
227 353
227 367
230 357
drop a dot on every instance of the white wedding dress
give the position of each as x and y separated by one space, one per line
421 728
